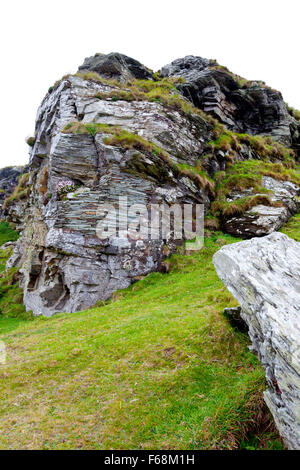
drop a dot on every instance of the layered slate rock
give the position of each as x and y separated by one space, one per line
243 106
115 66
64 265
263 275
263 219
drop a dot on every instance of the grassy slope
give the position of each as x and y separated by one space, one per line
159 367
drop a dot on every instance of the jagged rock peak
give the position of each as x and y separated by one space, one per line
115 66
243 106
186 64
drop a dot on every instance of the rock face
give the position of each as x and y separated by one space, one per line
261 219
65 266
115 66
243 106
263 275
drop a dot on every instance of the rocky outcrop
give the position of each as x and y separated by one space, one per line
242 105
65 266
263 219
263 275
115 66
102 139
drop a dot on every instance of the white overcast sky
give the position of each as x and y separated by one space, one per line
41 41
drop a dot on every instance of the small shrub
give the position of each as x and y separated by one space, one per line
65 186
30 141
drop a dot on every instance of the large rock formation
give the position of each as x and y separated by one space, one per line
115 66
65 266
263 275
244 106
111 138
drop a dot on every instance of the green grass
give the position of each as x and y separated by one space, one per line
244 175
159 366
12 310
7 234
292 228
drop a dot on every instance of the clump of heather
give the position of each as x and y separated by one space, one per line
65 186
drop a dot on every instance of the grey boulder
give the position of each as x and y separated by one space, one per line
263 274
115 65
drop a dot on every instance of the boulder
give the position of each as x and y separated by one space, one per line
263 274
263 219
115 66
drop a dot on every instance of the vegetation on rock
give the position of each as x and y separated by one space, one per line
248 175
293 112
30 141
265 147
21 191
121 138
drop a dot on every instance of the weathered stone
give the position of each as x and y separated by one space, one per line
249 107
264 219
64 265
116 66
263 275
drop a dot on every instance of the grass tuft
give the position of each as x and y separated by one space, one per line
21 191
